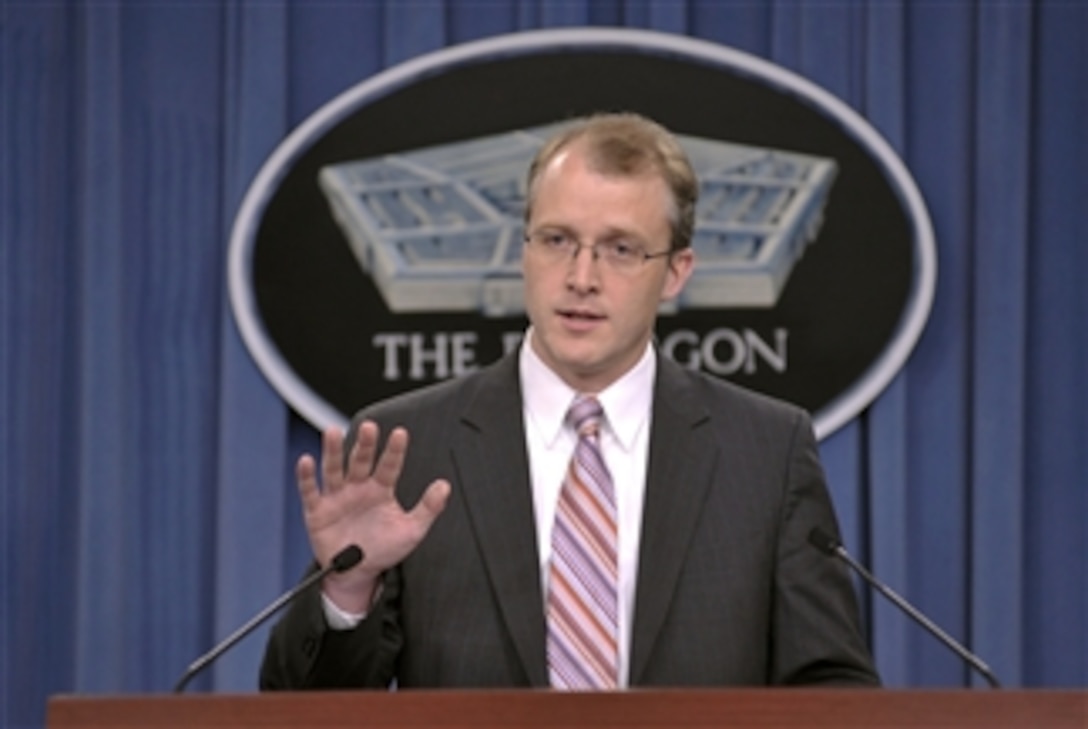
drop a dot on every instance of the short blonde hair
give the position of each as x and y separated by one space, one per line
629 145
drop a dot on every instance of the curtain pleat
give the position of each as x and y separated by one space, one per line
38 364
888 465
149 505
941 52
1000 151
1055 596
108 513
413 28
252 498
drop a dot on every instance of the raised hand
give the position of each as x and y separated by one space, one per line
358 505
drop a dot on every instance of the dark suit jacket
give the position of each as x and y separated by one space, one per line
729 591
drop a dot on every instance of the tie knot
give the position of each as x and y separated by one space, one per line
585 415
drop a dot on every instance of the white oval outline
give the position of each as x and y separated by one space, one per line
826 421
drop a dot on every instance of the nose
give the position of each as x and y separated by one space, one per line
582 274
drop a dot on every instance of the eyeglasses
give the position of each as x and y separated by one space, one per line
619 254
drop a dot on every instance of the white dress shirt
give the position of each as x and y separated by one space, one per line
624 438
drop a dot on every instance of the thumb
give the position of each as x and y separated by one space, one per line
432 503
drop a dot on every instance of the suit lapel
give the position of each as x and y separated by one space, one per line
677 479
493 468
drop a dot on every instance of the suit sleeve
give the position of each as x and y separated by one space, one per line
816 629
304 653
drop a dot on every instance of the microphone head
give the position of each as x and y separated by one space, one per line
347 558
823 541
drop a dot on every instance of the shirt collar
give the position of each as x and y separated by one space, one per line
626 402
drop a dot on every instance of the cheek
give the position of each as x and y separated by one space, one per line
647 294
639 311
537 279
535 287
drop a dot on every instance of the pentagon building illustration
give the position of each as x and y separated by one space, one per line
441 228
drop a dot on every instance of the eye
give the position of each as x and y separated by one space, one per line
554 239
621 250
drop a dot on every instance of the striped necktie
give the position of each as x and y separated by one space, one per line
582 589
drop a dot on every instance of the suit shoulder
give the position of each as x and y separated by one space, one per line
716 395
441 398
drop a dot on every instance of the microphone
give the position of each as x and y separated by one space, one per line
344 560
832 546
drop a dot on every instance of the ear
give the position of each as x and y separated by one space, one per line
679 271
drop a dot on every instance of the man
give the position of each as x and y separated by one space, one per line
704 493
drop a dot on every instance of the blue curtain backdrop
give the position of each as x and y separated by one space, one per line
148 506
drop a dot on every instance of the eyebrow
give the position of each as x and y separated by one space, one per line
611 233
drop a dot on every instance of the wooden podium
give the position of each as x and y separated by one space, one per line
675 709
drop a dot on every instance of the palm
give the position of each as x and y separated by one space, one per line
358 505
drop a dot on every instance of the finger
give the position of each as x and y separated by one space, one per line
306 474
431 504
391 461
361 460
332 460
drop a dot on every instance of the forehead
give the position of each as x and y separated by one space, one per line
575 167
572 191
